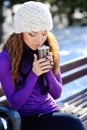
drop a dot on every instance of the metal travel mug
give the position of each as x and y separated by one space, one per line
43 51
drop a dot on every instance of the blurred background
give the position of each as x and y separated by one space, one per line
70 29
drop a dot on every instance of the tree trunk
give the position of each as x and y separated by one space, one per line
69 15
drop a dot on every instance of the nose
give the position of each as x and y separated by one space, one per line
40 39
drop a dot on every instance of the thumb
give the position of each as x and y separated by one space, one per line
35 57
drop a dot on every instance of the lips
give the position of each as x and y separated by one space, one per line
37 45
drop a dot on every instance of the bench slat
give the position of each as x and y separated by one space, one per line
67 66
74 75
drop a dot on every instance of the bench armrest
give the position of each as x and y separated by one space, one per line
14 119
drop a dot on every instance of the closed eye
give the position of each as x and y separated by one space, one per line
32 34
44 34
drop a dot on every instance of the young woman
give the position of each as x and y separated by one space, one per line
29 83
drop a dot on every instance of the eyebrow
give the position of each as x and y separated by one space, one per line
33 32
37 32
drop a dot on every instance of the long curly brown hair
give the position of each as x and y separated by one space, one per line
14 45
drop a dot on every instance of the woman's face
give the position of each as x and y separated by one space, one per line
35 39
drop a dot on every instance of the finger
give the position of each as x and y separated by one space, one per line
45 67
50 57
35 57
45 63
51 66
45 71
42 60
50 54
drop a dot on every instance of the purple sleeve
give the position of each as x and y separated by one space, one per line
15 98
55 83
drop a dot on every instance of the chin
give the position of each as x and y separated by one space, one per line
34 49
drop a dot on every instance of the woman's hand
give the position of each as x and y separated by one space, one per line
41 66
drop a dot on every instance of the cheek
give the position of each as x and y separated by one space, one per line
45 39
25 37
29 39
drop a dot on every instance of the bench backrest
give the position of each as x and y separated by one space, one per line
73 69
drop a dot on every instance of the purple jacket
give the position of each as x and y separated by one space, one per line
28 99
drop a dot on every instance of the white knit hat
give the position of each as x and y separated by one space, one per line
32 16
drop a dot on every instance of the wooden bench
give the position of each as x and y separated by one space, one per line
77 103
73 69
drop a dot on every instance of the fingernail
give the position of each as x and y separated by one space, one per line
46 57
